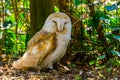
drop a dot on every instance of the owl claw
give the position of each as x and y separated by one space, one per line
50 66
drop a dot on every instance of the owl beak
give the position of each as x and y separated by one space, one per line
60 29
60 26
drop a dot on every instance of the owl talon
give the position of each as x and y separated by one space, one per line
50 66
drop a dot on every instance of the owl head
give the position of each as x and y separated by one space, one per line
59 23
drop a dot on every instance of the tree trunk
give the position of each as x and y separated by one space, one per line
39 10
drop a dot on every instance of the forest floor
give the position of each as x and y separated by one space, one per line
61 73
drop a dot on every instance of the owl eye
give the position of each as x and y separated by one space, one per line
54 22
65 23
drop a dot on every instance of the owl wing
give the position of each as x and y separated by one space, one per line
41 35
39 47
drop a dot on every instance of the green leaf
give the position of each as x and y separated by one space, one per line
8 2
109 69
73 65
14 55
92 62
11 17
76 2
115 52
115 29
22 15
116 37
102 16
118 62
113 62
56 9
101 57
78 77
100 48
22 37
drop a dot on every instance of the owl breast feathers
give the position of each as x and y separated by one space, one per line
48 45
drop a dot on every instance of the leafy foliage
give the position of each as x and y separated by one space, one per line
14 26
101 31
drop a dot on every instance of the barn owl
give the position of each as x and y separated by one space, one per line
48 45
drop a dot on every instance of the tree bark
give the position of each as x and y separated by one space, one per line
39 11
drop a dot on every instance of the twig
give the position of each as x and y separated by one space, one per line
92 43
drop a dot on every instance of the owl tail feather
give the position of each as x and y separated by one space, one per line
17 65
24 64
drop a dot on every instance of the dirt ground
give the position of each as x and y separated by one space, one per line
61 73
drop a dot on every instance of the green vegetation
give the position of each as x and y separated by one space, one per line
95 34
14 25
